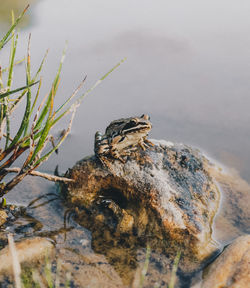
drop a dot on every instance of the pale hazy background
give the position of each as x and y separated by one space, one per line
188 66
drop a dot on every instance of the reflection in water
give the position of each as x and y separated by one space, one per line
126 252
100 252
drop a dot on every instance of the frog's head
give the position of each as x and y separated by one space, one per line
137 125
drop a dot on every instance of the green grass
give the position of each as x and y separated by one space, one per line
34 131
174 270
146 265
44 277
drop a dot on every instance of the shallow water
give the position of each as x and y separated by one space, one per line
187 66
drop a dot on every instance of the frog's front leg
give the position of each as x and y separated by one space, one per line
143 143
146 141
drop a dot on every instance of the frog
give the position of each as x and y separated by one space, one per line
121 137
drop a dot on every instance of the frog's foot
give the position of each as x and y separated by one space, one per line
142 144
146 141
106 163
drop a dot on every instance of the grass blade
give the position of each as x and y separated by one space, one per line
5 94
54 89
41 66
99 81
6 112
12 54
15 64
72 96
26 117
145 267
28 77
45 130
37 94
46 156
5 39
79 100
1 80
174 270
11 64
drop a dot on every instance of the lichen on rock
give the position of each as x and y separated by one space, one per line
163 196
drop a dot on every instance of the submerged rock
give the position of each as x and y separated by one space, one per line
28 251
231 268
233 217
163 196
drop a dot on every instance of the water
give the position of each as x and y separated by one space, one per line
188 67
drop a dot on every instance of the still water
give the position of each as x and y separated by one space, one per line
188 66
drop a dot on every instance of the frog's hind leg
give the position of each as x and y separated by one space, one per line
101 144
115 154
115 208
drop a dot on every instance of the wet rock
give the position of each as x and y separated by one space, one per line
232 267
29 251
3 217
89 270
163 196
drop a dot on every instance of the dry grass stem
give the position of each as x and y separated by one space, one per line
16 264
40 174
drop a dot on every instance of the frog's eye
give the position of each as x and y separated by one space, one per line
133 121
131 124
145 116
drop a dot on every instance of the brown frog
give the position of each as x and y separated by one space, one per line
121 137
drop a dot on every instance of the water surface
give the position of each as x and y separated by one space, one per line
188 66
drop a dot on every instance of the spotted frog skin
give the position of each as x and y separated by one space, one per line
121 137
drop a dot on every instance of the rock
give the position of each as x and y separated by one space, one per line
28 251
93 270
3 217
232 268
163 196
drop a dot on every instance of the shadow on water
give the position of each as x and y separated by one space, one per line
82 247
